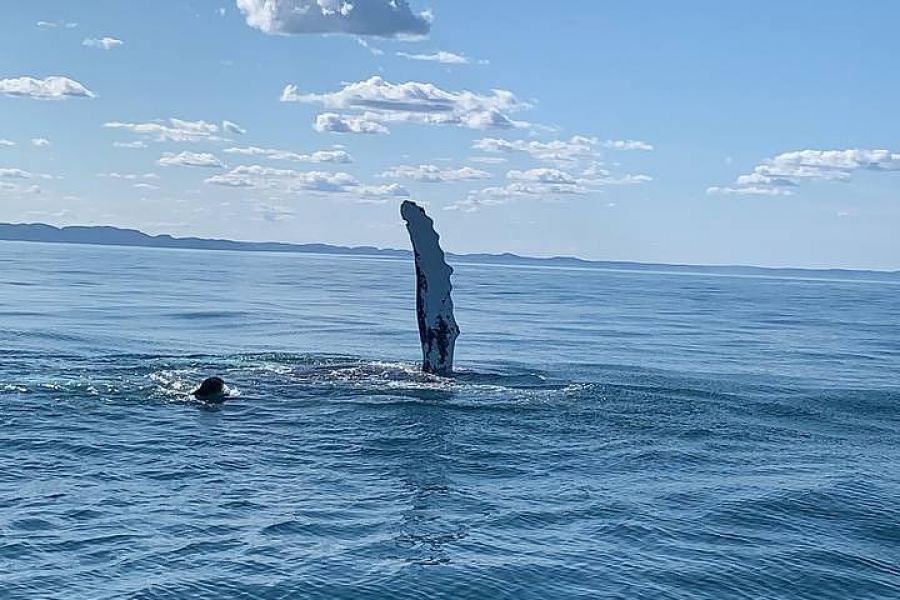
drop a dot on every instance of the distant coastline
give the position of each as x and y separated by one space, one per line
115 236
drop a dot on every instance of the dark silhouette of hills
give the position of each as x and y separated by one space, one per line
115 236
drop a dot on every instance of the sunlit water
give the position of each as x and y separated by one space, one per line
610 435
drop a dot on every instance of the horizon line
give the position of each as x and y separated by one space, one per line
301 247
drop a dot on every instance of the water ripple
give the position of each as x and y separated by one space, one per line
609 435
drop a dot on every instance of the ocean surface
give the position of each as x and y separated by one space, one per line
611 434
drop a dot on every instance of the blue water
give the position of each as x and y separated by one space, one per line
611 434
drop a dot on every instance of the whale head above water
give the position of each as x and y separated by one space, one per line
213 390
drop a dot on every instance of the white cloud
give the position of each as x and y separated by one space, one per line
129 176
488 160
49 88
443 57
375 51
543 183
135 144
627 145
6 143
751 190
328 156
474 203
335 123
257 176
413 102
12 173
40 142
104 43
385 192
320 156
290 181
779 175
548 176
56 25
190 159
234 128
623 180
382 18
176 130
828 164
434 174
576 148
558 151
274 213
15 189
497 195
145 186
598 177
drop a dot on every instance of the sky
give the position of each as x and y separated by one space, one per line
699 131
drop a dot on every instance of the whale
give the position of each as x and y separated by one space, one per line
212 391
438 329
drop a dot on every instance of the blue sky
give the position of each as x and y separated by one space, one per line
683 132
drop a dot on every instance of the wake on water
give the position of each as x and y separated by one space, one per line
252 377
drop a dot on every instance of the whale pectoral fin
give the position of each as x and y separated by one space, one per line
434 306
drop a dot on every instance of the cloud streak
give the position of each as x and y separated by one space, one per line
443 57
50 88
176 130
576 148
56 25
129 176
543 183
136 144
627 145
233 128
104 43
289 181
190 159
434 174
13 173
320 156
15 189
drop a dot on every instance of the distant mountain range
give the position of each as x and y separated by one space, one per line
115 236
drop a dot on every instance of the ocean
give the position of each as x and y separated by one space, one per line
610 434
